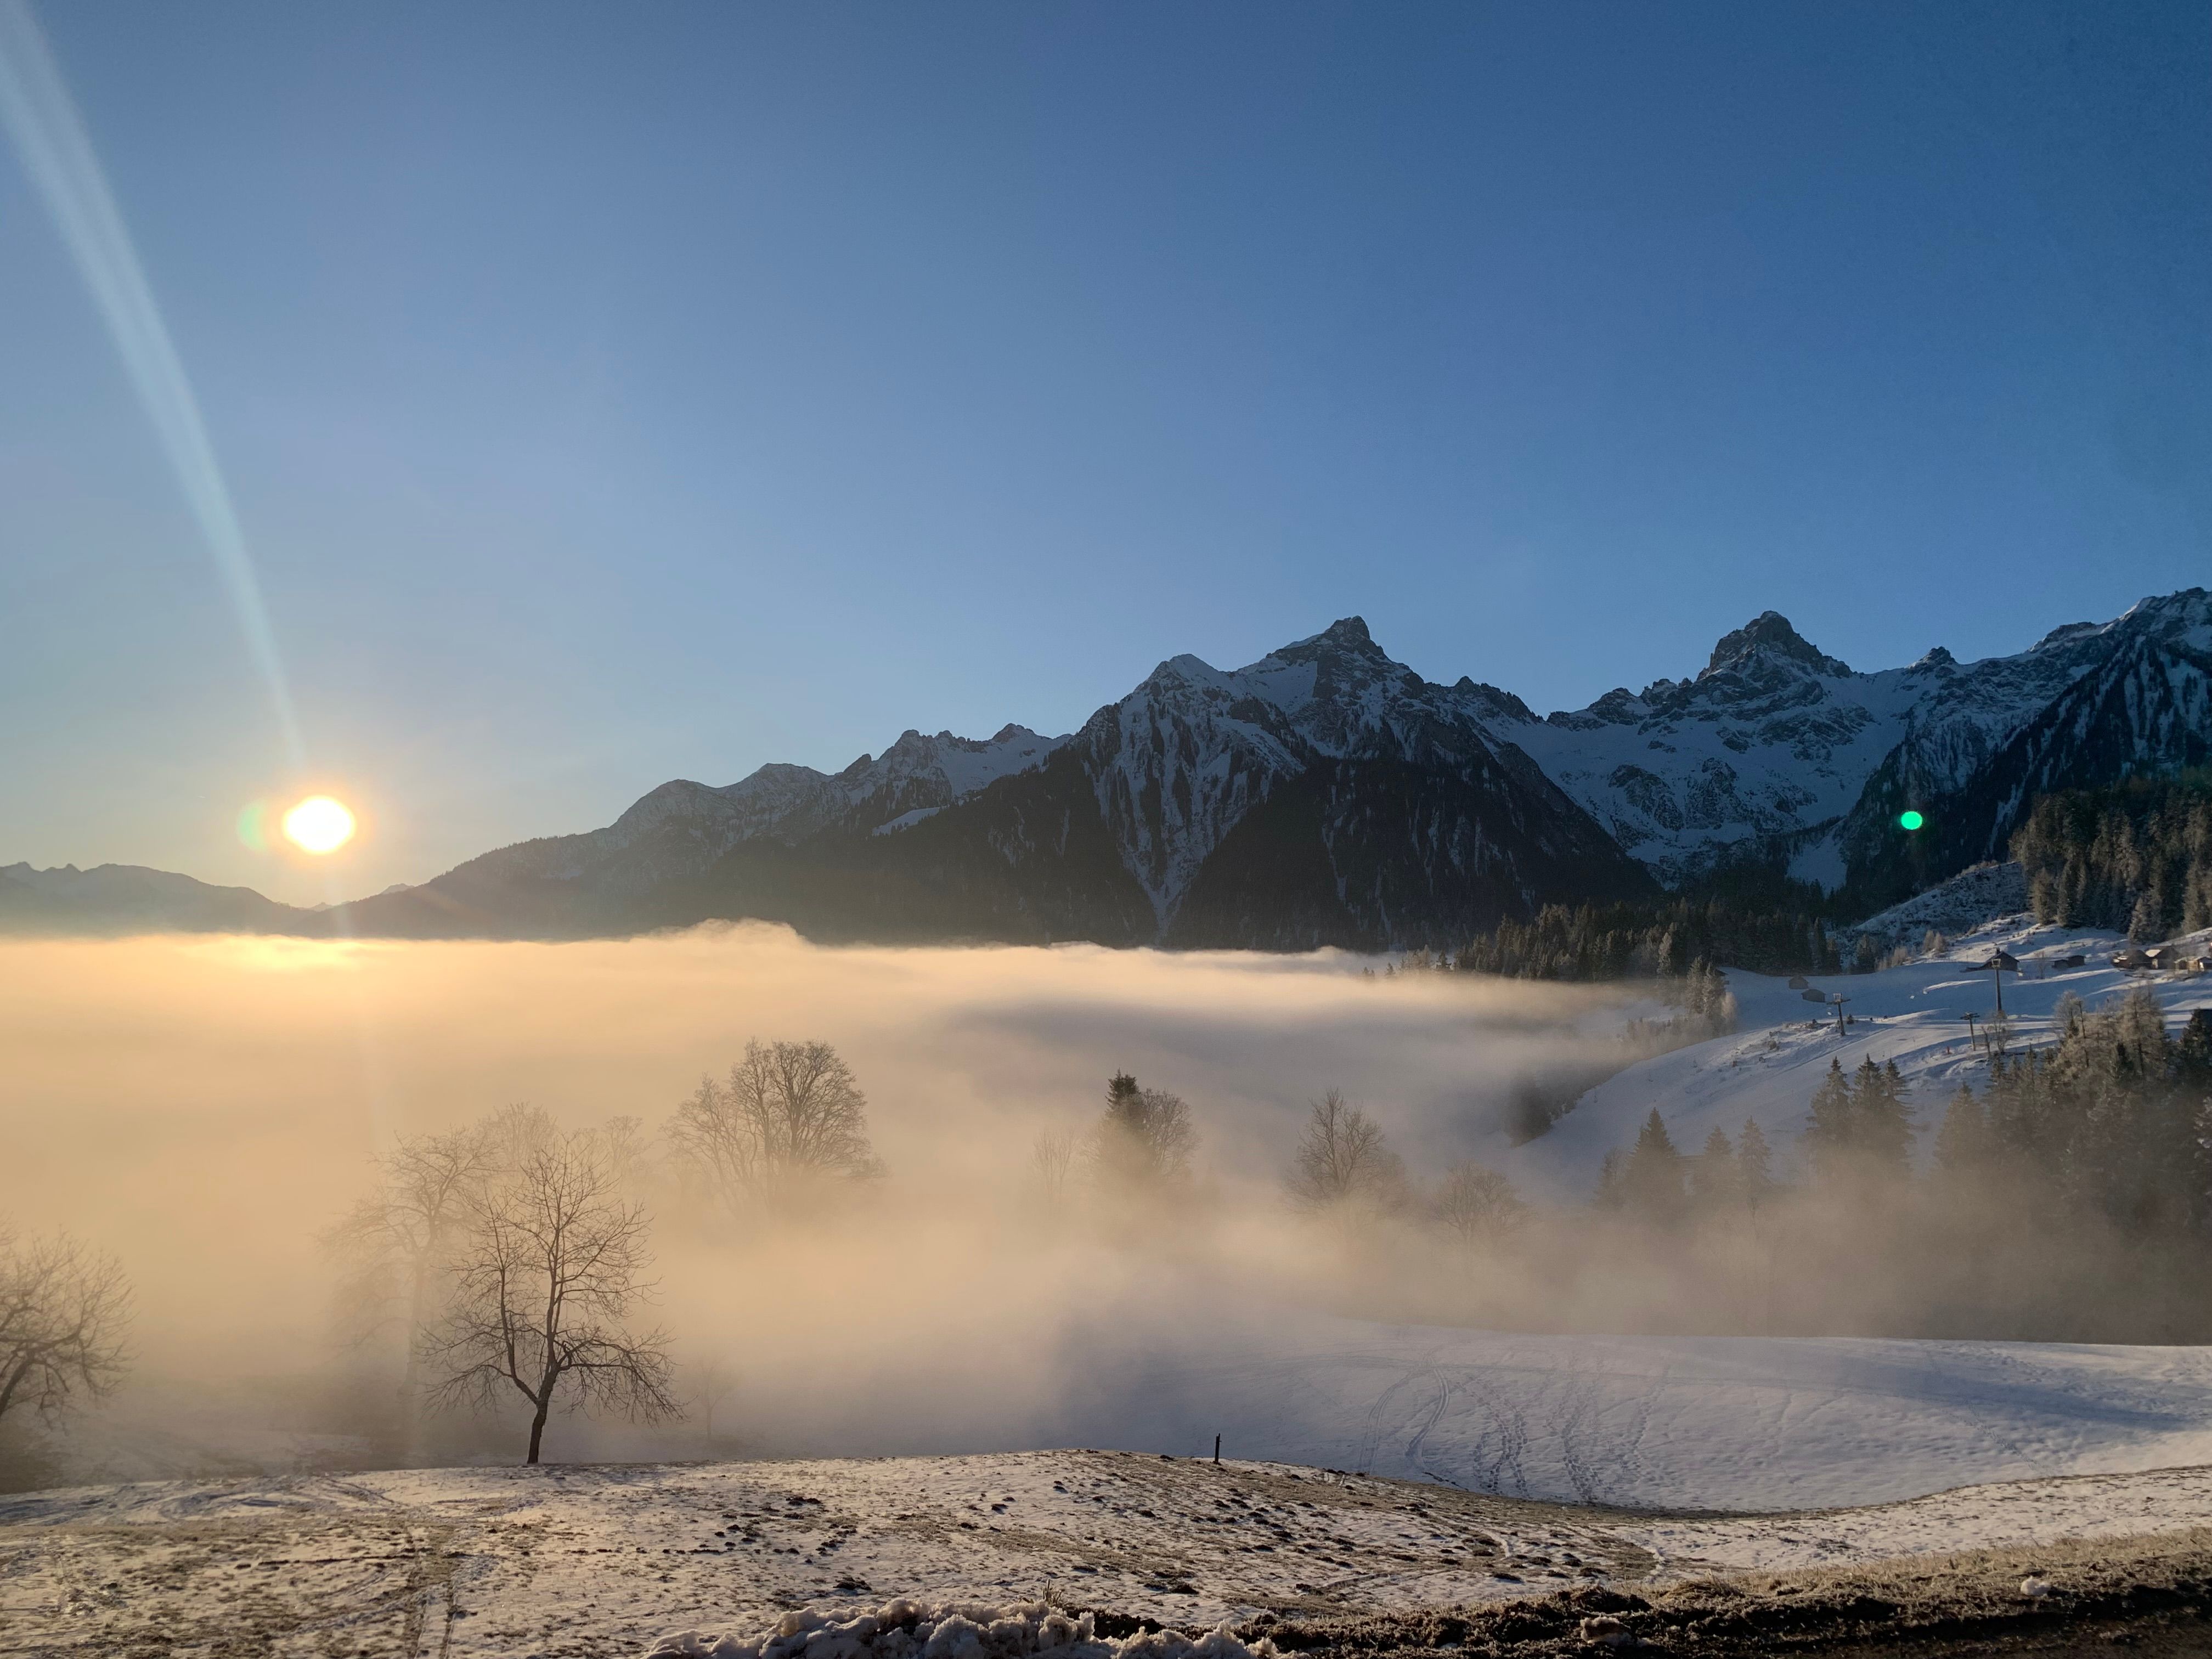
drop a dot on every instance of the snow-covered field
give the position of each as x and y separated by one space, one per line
1740 1423
1767 1071
599 1562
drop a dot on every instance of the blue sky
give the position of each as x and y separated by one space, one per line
616 393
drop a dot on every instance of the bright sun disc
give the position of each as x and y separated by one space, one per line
318 824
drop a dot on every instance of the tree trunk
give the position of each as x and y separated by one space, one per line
538 1426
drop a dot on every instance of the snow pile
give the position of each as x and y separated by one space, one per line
909 1629
1972 898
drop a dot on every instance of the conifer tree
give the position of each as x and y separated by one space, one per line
1714 1179
1962 1141
1828 1135
1883 1130
2192 1055
1609 1182
1754 1166
1651 1184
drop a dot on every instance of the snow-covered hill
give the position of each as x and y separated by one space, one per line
1767 1071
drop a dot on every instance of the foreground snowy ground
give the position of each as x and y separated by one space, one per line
1914 1015
600 1561
1745 1423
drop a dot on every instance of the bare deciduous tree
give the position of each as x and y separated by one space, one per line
398 1242
1478 1205
1342 1160
789 1112
543 1283
63 1307
1144 1137
1052 1158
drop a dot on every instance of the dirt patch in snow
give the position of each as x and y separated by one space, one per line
2152 1595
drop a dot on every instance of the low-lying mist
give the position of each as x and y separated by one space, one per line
208 1110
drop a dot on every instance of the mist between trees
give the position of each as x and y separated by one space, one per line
2069 1199
943 1195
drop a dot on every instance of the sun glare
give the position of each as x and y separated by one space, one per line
318 824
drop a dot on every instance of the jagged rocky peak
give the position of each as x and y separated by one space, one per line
1492 700
1769 634
1345 634
2067 631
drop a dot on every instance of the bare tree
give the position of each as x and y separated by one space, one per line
788 1114
1478 1205
63 1307
1144 1137
714 1379
1052 1158
1342 1160
398 1242
541 1288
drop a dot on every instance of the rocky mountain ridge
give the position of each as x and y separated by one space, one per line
1328 794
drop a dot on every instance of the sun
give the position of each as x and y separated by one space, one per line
318 824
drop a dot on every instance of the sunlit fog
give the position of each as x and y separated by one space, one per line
210 1109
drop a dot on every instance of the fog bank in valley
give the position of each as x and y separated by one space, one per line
207 1109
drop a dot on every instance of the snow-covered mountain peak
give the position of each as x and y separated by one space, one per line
1769 634
2183 619
1341 790
1346 636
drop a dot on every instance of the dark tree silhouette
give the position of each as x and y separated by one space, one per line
1144 1137
542 1285
788 1116
1341 1160
63 1307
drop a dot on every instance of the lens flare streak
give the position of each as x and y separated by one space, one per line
58 155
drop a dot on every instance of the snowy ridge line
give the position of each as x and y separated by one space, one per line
1914 1014
1975 897
959 1630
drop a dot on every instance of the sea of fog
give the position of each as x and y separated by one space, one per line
208 1108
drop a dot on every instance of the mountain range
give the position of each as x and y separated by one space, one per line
1323 795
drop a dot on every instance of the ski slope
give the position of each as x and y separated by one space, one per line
1768 1069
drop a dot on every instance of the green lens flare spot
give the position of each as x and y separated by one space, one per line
1910 820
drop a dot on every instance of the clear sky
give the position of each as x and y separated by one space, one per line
614 393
